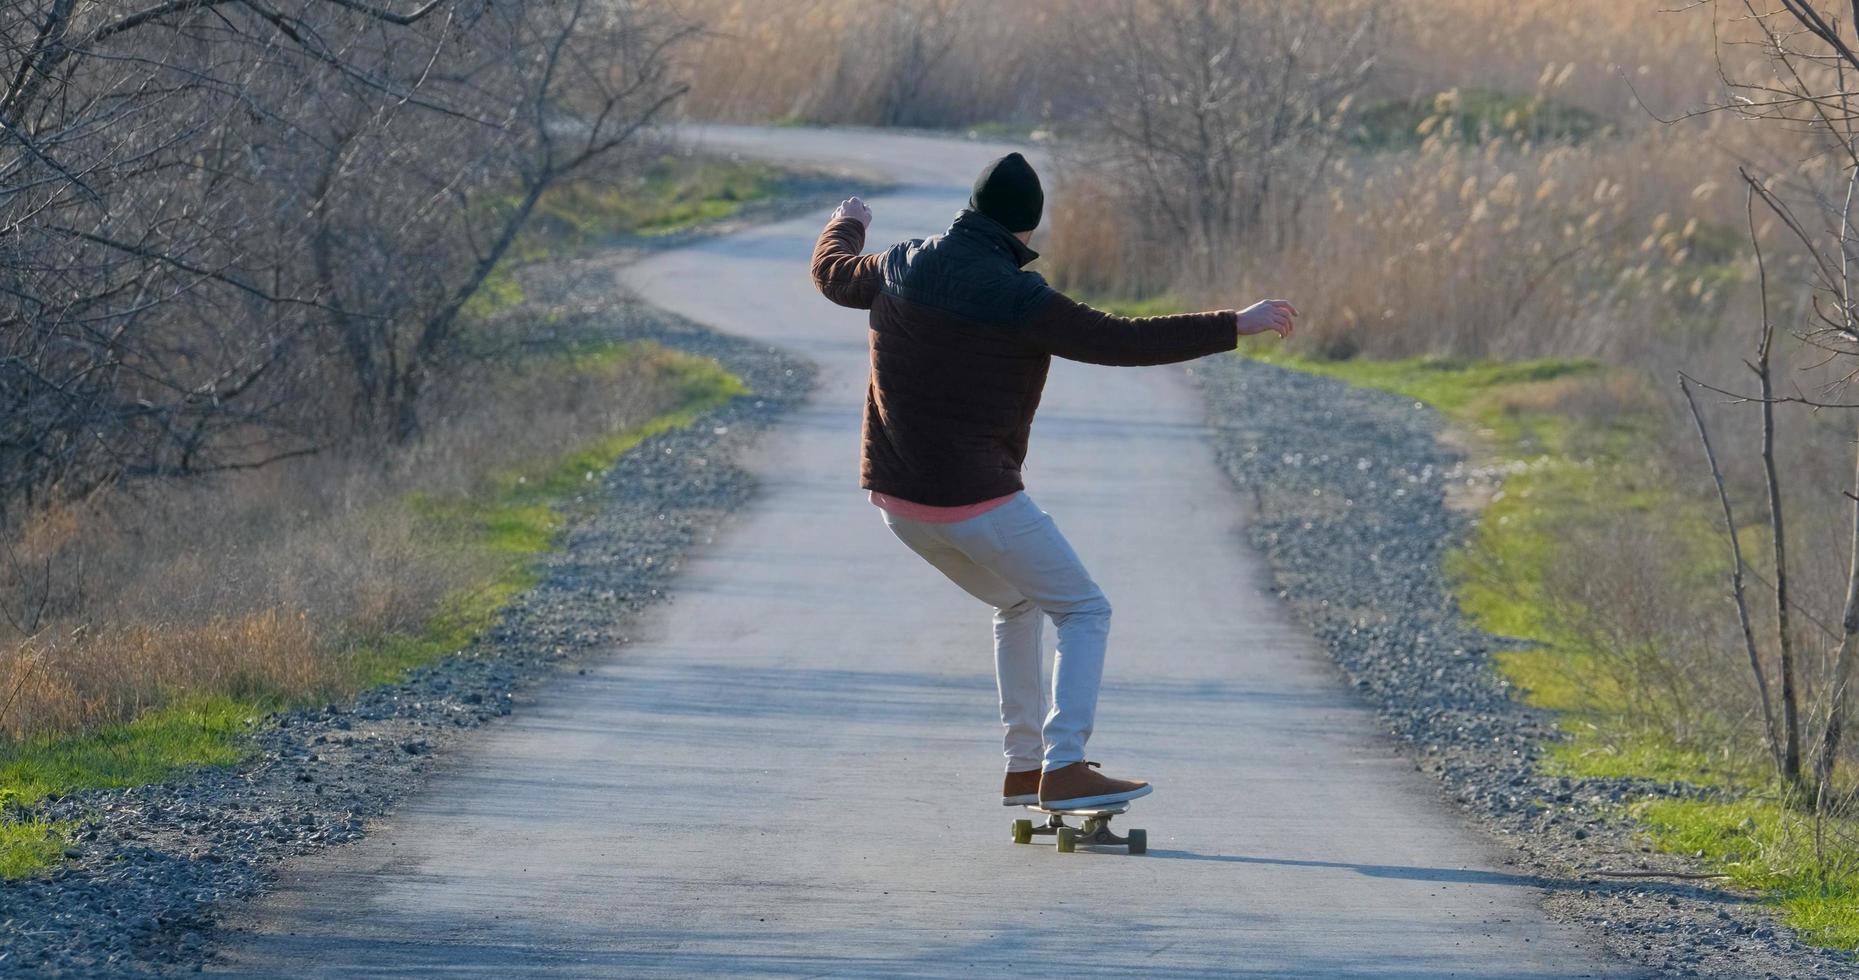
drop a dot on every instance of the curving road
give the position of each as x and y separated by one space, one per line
793 771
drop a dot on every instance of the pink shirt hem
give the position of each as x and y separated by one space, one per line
936 515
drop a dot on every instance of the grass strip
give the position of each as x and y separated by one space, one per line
514 516
1501 574
674 193
30 846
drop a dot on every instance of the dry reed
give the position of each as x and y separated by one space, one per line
249 584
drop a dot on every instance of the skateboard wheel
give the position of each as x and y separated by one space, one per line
1022 831
1068 840
1139 841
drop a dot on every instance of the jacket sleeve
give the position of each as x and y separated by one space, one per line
840 273
1064 327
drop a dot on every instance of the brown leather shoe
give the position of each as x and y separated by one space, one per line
1079 786
1021 788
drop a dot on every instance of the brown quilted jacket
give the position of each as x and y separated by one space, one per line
961 339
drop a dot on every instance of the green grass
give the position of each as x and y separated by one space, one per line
1003 131
1768 848
1487 396
1516 531
1500 575
1459 389
153 747
29 846
514 517
674 193
1474 115
499 292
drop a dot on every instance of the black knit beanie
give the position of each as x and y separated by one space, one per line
1008 191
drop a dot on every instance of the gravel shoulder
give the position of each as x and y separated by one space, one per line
152 869
1352 490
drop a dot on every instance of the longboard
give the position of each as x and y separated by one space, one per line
1094 831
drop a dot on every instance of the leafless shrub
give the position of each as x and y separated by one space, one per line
1206 111
1650 650
1798 88
256 581
235 232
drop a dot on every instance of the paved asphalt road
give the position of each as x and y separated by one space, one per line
794 772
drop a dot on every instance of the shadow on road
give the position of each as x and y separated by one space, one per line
1471 876
801 952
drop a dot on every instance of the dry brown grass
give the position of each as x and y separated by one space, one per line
251 584
834 61
1487 247
70 683
1581 48
923 63
822 60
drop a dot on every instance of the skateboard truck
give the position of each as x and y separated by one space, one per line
1093 832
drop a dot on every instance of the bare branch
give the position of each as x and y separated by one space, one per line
1736 578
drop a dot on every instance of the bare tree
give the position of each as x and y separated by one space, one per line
1790 741
1803 94
1211 108
1738 593
884 70
232 230
919 35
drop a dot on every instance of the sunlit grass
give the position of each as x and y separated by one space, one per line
515 515
193 732
1500 575
1473 116
674 193
1772 849
512 517
1495 398
29 846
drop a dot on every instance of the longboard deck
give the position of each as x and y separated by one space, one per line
1107 810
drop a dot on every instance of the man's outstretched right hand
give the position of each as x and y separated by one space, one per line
852 207
1276 315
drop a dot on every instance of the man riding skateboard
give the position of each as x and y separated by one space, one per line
962 336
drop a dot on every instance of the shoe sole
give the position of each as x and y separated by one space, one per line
1025 799
1084 802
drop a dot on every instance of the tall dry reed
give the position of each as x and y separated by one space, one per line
250 584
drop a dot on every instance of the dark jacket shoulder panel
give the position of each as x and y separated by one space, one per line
973 272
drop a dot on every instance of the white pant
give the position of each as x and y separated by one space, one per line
1014 559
